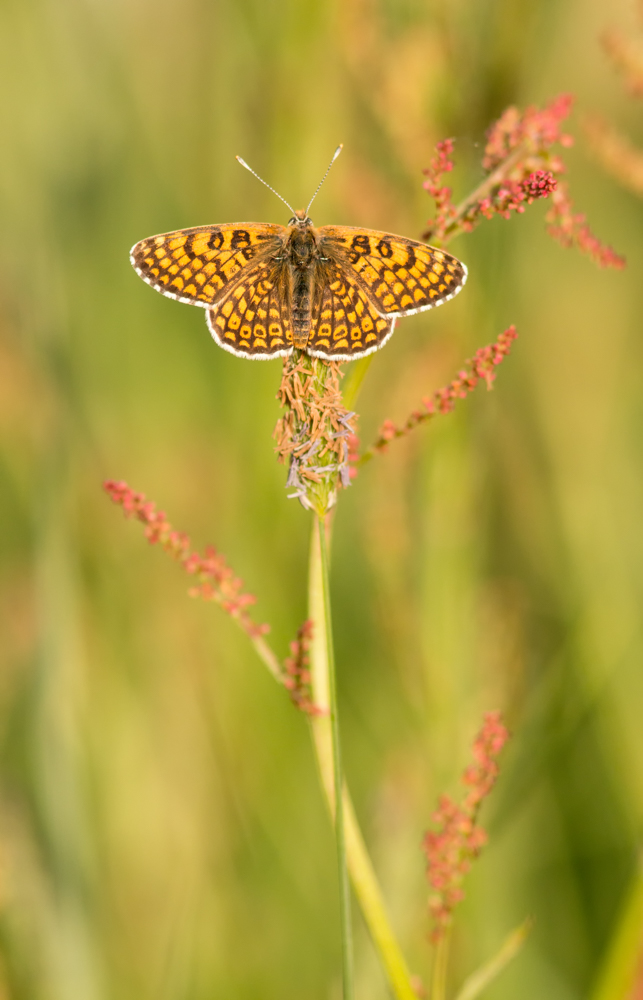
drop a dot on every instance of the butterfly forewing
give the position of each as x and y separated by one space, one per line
252 318
344 322
348 284
400 276
198 265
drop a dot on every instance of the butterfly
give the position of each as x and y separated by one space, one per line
333 292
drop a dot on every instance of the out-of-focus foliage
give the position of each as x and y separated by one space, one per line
162 834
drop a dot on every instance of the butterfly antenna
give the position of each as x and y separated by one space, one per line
335 155
244 164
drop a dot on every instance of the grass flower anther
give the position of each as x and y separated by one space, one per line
314 434
458 839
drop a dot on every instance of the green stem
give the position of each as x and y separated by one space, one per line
440 963
365 884
338 780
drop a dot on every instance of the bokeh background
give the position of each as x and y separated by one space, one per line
162 833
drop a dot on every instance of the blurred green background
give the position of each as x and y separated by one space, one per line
162 834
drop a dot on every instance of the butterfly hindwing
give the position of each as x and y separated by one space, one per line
252 319
198 265
344 322
401 276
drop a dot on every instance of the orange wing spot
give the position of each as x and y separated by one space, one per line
356 333
421 266
370 274
250 315
367 323
190 290
398 287
187 273
227 308
352 316
381 290
149 261
370 337
438 268
234 322
200 245
174 269
220 322
359 306
164 278
155 271
274 330
340 333
432 293
246 331
389 277
433 278
166 262
182 260
336 285
380 324
402 273
418 294
400 256
161 253
200 278
209 290
415 272
424 282
262 313
177 242
243 305
406 301
442 288
326 313
178 283
259 331
389 301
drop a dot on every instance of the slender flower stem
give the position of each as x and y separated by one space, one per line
440 964
365 884
344 887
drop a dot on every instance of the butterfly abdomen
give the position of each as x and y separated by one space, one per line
302 252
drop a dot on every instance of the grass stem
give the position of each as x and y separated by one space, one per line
360 868
338 778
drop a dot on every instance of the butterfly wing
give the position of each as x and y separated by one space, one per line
344 322
198 265
400 276
252 317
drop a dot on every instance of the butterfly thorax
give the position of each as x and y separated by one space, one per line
300 252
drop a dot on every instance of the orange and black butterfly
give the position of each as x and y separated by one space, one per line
333 292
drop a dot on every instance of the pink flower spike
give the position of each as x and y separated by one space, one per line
216 581
458 839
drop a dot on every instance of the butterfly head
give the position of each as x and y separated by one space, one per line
301 219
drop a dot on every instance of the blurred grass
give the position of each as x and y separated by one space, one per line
162 834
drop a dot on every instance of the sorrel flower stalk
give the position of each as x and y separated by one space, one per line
520 167
458 839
